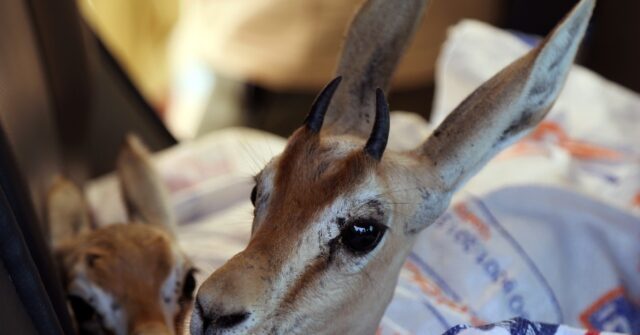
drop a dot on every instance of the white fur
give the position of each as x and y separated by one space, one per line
102 301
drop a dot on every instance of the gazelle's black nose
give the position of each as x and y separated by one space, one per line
230 320
214 319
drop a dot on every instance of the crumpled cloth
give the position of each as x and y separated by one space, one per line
549 230
519 326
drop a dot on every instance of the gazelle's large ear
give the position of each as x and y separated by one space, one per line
144 194
376 39
67 212
506 106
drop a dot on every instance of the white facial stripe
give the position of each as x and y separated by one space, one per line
170 293
354 206
318 235
112 314
315 241
171 290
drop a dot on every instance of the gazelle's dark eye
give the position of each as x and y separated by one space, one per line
81 309
254 194
189 285
362 236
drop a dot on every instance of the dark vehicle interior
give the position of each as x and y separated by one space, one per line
58 84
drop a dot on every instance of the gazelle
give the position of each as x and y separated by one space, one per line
122 278
336 215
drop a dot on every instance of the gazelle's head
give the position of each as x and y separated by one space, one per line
123 278
336 214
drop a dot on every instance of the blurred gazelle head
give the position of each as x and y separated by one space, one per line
128 278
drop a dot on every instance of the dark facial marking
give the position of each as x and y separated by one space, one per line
91 259
312 272
254 194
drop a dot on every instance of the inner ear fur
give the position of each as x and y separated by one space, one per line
144 193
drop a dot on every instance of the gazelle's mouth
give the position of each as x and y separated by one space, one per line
229 323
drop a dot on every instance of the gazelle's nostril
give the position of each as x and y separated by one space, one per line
215 319
205 319
231 320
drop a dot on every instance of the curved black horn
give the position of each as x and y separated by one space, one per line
377 141
320 105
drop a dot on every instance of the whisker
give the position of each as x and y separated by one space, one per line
391 191
253 155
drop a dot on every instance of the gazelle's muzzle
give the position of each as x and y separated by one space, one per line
227 300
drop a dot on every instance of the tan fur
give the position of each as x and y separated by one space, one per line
121 270
270 246
326 181
130 261
298 275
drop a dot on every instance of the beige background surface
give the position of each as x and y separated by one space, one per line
294 45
